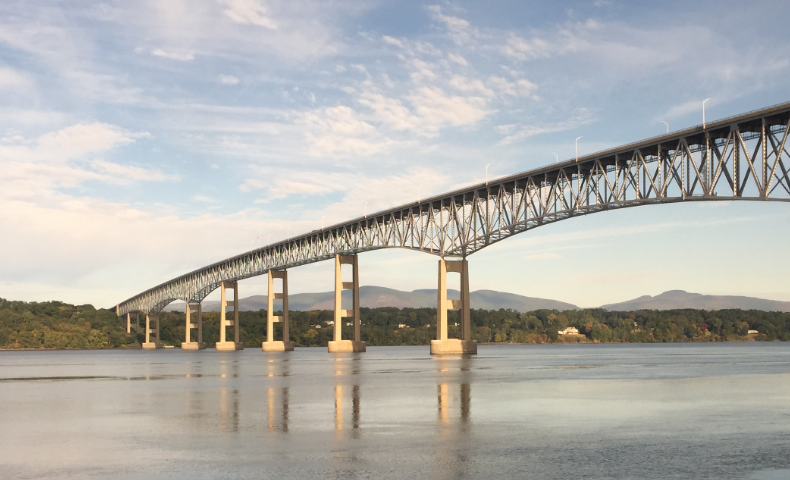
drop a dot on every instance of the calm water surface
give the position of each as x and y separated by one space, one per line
543 411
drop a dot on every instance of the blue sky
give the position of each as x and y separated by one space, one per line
140 140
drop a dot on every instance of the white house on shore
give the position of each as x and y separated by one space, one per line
568 331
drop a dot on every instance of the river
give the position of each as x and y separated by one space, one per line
699 411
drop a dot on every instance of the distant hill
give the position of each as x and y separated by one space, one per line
372 297
676 299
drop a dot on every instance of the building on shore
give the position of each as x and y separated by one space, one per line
568 331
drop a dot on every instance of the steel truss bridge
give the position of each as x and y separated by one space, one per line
738 158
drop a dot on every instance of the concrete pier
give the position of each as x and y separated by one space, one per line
136 322
196 322
152 332
223 343
338 345
270 345
443 345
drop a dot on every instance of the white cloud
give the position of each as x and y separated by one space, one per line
339 131
34 169
228 80
390 111
250 12
520 49
251 185
421 71
392 41
11 79
439 110
516 133
380 190
460 30
506 129
519 88
78 140
457 59
180 56
465 84
124 174
688 107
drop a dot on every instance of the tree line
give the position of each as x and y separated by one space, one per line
57 325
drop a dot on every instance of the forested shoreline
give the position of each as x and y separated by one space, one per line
57 325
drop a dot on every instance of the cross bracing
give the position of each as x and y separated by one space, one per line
739 158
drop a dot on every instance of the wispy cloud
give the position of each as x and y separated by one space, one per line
180 56
249 11
519 132
228 80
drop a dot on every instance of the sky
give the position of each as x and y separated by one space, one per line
142 140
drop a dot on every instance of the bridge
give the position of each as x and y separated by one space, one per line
736 158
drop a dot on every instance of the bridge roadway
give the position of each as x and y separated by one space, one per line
736 158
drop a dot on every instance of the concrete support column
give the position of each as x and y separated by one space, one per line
223 344
128 323
270 345
338 345
443 344
194 319
152 332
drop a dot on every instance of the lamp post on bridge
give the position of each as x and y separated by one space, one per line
558 157
488 165
577 148
703 112
665 123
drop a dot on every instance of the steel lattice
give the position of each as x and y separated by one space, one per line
740 158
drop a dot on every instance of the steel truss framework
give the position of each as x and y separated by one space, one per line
739 158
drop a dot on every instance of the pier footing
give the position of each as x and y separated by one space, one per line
275 346
229 346
453 346
345 346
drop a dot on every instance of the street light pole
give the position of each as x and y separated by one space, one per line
487 165
366 209
703 112
665 123
577 148
558 157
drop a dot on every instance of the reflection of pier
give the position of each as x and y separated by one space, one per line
229 399
454 410
272 410
355 411
445 400
345 370
278 393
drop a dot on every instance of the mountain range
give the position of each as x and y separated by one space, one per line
675 299
373 297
